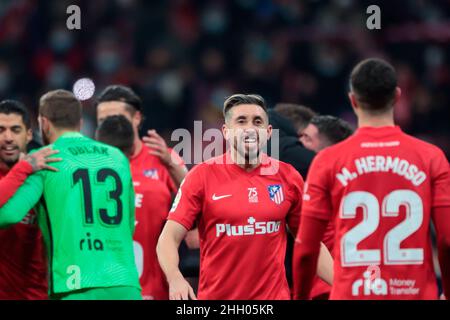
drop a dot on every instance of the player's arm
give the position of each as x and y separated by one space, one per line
170 159
182 216
440 213
29 164
315 216
167 250
441 222
325 264
305 260
26 197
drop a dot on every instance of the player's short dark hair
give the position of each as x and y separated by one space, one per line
123 94
299 115
61 108
332 128
240 98
116 131
16 107
374 82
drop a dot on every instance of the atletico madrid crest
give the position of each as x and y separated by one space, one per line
276 193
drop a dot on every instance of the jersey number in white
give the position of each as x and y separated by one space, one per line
393 254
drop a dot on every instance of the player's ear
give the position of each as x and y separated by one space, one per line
43 122
398 94
137 118
352 98
29 135
269 131
225 132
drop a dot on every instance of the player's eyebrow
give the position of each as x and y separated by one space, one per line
241 117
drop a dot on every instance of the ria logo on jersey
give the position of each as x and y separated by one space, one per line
249 229
373 284
91 244
370 284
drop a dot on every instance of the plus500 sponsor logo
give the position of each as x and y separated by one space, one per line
247 230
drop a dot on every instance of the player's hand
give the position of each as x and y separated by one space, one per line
180 289
158 147
40 159
442 297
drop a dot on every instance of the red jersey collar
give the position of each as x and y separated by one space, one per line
379 131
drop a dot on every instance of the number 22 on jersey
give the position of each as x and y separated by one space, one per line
390 207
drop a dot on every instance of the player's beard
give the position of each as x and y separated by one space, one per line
246 154
10 161
13 157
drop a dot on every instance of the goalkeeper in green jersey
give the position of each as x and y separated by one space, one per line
85 209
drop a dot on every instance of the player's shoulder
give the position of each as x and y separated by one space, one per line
421 146
207 165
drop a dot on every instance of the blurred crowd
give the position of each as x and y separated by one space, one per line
184 57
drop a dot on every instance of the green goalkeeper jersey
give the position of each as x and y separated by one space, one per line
86 214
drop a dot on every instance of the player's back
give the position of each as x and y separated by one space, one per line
381 184
90 221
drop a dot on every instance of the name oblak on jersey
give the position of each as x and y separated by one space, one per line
247 230
390 164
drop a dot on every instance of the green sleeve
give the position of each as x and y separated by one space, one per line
22 201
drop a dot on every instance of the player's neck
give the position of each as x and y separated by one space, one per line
245 163
385 120
137 147
58 133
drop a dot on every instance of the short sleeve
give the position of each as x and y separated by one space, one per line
189 200
317 190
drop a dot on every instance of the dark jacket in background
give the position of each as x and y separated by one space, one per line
291 149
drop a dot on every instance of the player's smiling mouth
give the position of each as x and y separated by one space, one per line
9 149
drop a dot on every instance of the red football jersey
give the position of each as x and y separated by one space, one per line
23 269
379 187
153 188
241 220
